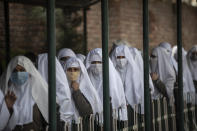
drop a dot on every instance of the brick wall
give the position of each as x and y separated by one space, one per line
125 18
26 32
125 22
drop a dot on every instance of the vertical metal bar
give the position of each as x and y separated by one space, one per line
146 66
85 30
180 114
51 63
105 37
7 31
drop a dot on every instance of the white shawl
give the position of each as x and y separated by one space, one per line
139 61
4 112
168 47
65 52
192 64
81 57
115 83
85 87
165 69
133 82
188 85
35 90
62 88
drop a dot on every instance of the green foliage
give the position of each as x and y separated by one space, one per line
67 36
67 22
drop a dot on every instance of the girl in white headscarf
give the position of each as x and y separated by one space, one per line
132 80
84 96
188 85
129 72
94 66
62 88
137 56
192 62
162 71
168 47
31 91
81 57
64 54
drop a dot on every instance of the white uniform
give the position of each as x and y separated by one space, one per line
34 90
62 88
188 85
164 68
81 57
85 87
4 112
115 83
131 78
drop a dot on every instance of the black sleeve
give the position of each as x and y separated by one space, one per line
160 87
60 123
38 119
83 106
195 85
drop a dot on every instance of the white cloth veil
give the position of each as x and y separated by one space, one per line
188 85
139 61
168 47
85 87
62 88
192 64
36 85
81 57
65 52
133 83
115 83
165 69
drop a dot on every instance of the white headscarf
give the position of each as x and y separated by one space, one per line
163 67
34 90
115 83
139 61
65 52
188 85
132 79
62 88
85 86
4 113
168 47
192 64
81 57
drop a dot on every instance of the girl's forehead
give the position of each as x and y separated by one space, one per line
19 67
73 68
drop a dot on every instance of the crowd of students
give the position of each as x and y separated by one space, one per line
79 85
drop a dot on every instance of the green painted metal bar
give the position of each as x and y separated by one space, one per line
7 31
51 63
105 38
92 3
180 106
85 30
146 66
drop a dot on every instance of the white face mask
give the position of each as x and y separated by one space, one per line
121 63
96 69
153 64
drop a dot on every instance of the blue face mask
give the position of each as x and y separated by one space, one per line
19 78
